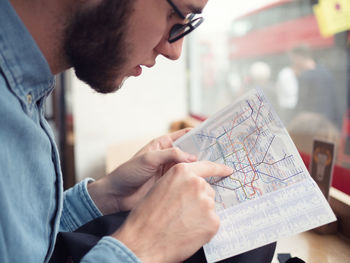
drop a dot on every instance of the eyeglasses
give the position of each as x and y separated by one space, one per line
178 31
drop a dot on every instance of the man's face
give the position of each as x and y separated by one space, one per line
110 42
298 63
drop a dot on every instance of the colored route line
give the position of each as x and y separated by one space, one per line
258 112
268 148
246 165
256 165
279 179
284 158
206 136
257 130
217 138
259 163
233 123
247 184
225 132
255 111
253 170
242 186
254 144
250 164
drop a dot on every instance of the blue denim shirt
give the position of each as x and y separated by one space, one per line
33 205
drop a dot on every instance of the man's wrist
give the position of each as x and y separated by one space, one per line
105 200
140 245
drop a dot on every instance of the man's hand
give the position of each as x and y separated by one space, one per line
129 183
176 217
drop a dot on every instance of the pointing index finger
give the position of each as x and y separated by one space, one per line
207 169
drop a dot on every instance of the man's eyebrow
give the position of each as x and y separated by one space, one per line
194 9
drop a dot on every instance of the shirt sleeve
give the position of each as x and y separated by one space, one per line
78 207
109 249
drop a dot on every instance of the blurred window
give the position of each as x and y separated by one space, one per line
277 47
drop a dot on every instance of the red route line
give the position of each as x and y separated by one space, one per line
250 163
257 129
245 149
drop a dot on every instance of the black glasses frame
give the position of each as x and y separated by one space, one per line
178 31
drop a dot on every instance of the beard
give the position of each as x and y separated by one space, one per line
95 44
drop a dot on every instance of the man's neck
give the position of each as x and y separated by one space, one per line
45 22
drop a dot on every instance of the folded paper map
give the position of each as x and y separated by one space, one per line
270 194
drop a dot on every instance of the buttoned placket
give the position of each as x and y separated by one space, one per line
29 98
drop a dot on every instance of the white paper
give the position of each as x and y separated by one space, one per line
270 194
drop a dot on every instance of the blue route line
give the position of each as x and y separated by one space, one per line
267 175
225 132
256 140
284 158
205 135
257 164
257 115
279 179
251 108
234 189
221 150
268 147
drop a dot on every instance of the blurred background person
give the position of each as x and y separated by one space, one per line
315 84
260 77
287 91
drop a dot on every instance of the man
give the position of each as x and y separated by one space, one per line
315 85
287 92
172 206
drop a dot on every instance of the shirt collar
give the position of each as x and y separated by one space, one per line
21 60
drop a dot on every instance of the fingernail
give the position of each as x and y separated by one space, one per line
229 169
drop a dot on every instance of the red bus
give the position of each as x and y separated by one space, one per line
276 28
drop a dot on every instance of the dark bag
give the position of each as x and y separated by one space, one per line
72 246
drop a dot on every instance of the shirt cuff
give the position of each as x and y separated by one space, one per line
78 207
109 249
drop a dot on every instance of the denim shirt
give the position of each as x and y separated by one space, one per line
32 202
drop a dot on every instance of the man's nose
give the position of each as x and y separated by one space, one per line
170 50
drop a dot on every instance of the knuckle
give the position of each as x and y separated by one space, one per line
165 141
215 224
211 191
212 221
146 158
208 204
180 168
203 185
196 183
191 181
176 152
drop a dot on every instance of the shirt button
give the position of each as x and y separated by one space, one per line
29 98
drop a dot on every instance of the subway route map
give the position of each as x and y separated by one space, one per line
270 194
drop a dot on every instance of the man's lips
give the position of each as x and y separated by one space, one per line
137 71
